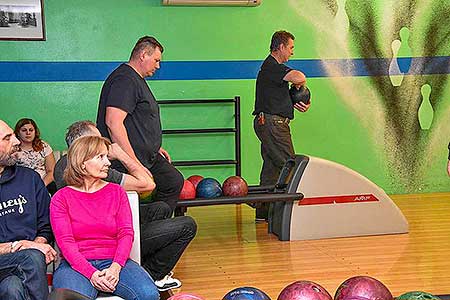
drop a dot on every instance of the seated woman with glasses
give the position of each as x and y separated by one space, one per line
92 224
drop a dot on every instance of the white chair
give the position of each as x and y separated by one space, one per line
135 253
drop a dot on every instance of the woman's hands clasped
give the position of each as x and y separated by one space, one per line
106 280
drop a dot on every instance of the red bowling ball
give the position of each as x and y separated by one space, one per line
235 186
195 179
304 290
188 191
362 288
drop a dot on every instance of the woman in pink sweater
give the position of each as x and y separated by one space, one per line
92 223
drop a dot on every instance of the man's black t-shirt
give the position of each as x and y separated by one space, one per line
272 92
127 90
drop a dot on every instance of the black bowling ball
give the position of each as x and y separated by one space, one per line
300 95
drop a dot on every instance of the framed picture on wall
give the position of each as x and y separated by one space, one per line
22 20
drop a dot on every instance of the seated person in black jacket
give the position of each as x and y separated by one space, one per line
138 179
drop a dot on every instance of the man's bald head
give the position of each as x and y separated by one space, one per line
8 146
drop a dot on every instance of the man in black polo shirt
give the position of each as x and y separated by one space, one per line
129 116
274 110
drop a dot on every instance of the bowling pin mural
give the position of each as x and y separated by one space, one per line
404 51
401 58
408 37
342 18
425 113
395 75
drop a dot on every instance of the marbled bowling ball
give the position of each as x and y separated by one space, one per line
188 191
417 295
195 179
246 293
304 290
185 296
235 186
364 287
209 188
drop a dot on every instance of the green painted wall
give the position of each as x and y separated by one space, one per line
347 123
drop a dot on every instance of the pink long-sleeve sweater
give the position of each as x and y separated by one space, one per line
94 225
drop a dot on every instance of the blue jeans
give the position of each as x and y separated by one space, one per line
23 275
134 283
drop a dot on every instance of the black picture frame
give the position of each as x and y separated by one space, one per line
22 20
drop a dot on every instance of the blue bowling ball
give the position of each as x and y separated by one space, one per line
209 188
246 293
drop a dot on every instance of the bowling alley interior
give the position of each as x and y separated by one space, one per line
338 134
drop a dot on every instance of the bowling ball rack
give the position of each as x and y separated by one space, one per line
280 192
252 197
315 198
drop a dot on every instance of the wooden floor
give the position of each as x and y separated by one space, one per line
230 251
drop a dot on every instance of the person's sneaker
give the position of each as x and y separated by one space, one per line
167 283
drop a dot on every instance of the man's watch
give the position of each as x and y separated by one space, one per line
13 244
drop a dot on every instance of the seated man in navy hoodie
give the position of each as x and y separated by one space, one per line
24 226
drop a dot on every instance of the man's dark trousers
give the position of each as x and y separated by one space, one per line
276 148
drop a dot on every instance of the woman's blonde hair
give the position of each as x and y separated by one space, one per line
81 150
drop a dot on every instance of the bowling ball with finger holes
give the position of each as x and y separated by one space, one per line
188 191
185 296
417 295
209 188
304 290
235 186
246 293
301 94
362 288
195 179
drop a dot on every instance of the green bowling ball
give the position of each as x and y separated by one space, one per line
417 295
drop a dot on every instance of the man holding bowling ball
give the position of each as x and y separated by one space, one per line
274 110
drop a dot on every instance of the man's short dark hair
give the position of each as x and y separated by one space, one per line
280 37
78 129
146 42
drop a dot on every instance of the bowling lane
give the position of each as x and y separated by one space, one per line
406 260
230 250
